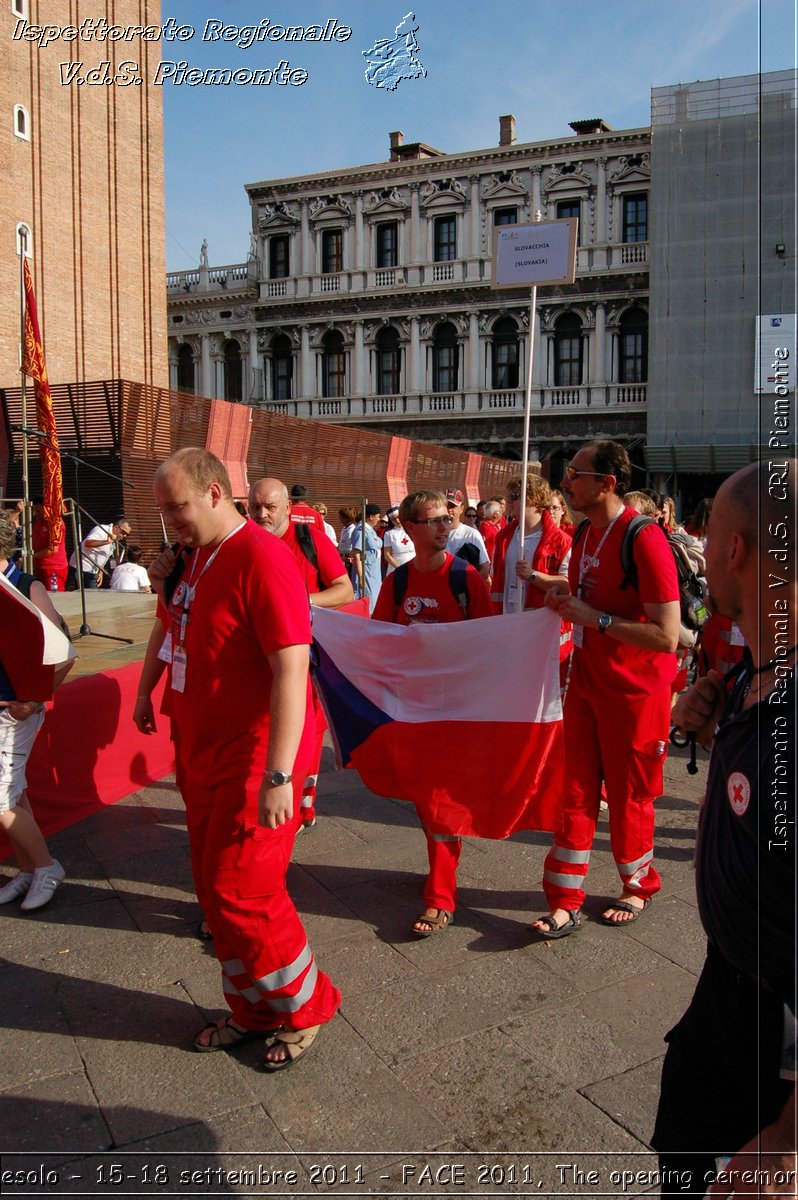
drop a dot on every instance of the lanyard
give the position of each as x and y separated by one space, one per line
586 562
191 587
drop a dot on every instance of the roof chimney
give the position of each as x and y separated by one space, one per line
507 130
397 137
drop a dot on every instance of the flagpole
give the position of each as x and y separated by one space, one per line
533 302
26 521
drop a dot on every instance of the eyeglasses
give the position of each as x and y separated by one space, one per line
572 473
443 521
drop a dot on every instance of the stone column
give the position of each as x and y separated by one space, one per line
414 249
475 249
598 366
306 245
256 388
537 205
601 202
359 255
206 381
413 380
306 384
173 353
474 379
359 385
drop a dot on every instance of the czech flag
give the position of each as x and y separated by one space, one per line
464 720
31 647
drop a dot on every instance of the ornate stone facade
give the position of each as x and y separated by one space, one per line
368 297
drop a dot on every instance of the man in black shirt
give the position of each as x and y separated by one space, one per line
728 1077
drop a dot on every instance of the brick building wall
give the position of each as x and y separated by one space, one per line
87 178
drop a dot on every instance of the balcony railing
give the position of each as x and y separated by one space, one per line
588 398
234 278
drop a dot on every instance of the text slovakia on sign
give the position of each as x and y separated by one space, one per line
543 253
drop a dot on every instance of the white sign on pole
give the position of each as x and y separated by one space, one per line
542 253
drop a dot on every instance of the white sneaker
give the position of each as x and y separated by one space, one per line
42 890
18 886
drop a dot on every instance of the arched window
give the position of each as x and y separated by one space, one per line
444 358
633 347
21 122
504 354
387 362
233 380
568 351
282 367
185 369
333 375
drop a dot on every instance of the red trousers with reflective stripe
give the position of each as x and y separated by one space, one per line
270 978
622 744
440 889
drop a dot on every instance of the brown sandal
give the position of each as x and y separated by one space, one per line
226 1035
297 1042
437 923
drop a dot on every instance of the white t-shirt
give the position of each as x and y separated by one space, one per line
331 534
461 535
129 577
95 558
397 540
512 596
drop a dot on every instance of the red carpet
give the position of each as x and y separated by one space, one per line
89 753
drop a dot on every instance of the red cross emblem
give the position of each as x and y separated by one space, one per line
738 790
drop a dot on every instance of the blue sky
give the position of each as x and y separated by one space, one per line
547 63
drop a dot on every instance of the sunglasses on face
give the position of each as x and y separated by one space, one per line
572 473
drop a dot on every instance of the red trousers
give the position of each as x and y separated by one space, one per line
622 744
269 974
440 889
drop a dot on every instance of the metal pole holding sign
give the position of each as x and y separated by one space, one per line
540 254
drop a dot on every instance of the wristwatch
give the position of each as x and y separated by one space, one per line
277 778
604 622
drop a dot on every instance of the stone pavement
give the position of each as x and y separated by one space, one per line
480 1060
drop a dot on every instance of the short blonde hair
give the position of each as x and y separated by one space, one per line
201 467
538 492
412 503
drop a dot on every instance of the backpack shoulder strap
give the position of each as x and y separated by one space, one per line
308 547
458 582
630 535
399 577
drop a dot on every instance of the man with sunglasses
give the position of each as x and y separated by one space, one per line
429 597
617 710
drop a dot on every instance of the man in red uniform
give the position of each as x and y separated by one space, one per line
237 639
328 586
617 710
427 596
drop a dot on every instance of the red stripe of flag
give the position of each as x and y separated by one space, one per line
33 365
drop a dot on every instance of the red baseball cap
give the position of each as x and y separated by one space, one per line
454 496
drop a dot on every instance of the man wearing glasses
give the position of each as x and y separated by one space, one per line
427 595
617 710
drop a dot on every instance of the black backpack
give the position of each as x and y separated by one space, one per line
693 610
458 582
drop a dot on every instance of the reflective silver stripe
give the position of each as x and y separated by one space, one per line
443 837
234 966
292 1003
285 975
569 881
311 781
569 856
630 867
306 802
248 993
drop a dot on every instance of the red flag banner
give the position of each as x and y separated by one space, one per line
33 365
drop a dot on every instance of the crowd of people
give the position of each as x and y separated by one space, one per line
233 630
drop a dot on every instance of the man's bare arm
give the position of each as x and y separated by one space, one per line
289 667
